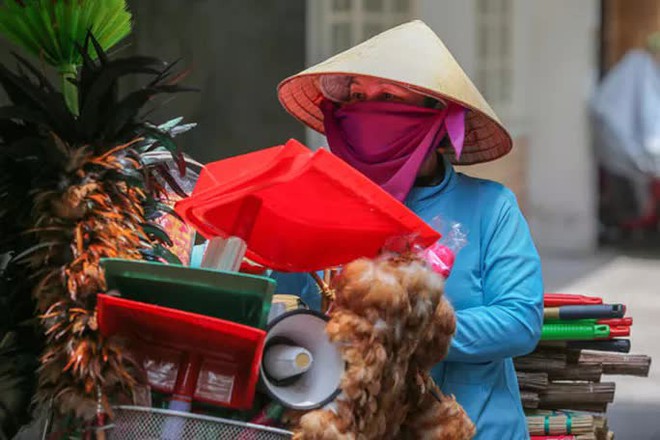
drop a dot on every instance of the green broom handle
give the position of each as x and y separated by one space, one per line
572 332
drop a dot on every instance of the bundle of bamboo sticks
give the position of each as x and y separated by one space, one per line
560 382
542 422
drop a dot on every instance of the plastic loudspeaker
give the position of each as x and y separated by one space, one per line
301 368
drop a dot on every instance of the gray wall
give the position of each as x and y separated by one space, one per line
238 51
563 68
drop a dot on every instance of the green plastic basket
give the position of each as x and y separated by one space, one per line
236 297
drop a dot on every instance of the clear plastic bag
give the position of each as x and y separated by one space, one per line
442 254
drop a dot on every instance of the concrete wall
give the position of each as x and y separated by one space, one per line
562 59
455 24
552 168
238 51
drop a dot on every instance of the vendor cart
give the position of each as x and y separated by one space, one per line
133 422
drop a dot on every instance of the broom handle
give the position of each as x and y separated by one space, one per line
613 322
186 382
565 299
598 311
555 332
613 345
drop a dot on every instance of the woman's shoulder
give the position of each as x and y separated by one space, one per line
496 192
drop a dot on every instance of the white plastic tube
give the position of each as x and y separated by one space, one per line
284 361
224 254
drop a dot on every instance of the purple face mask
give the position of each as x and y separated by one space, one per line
389 141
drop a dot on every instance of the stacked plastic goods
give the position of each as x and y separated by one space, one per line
561 383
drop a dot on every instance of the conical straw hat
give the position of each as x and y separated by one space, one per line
410 55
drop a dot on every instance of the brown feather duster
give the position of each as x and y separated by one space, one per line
391 324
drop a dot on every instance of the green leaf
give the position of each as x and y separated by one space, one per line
160 137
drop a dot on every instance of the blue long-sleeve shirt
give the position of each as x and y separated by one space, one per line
496 290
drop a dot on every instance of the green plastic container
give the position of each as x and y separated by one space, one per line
236 297
574 332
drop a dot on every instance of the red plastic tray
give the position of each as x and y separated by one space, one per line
306 211
233 348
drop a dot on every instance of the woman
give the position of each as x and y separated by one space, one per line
400 109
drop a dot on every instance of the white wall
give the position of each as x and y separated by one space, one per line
454 22
562 61
555 46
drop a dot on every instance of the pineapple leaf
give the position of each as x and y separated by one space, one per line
155 231
98 50
161 252
43 81
103 89
23 113
32 249
164 173
167 209
128 109
27 148
24 93
156 137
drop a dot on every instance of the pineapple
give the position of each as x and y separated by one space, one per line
74 189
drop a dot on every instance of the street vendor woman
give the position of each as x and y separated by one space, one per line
399 109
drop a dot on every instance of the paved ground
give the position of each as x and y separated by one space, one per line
631 278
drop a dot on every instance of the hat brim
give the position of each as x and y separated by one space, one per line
485 138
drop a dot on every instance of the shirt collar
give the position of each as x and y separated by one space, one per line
420 195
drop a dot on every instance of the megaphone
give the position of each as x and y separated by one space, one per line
301 368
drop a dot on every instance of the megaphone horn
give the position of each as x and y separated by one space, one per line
284 361
301 368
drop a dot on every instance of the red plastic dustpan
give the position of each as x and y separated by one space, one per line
246 169
306 212
205 346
